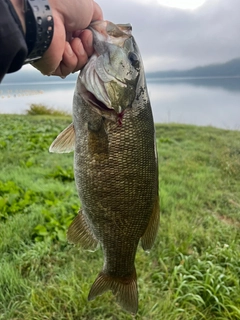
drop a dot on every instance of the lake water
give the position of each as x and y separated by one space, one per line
209 101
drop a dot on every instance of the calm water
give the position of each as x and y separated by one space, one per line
203 102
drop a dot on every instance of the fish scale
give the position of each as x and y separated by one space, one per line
115 162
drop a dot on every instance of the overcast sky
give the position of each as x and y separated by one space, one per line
171 38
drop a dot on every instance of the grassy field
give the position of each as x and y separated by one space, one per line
192 272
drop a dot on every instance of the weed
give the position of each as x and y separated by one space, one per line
40 109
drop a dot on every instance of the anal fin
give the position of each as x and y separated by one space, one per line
125 290
80 233
150 234
65 141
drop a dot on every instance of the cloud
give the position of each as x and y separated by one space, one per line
171 38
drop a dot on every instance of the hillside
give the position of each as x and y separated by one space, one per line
34 76
228 69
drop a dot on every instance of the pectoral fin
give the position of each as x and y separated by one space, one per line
65 141
150 234
80 233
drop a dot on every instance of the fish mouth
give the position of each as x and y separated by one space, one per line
108 31
99 86
91 99
92 87
101 108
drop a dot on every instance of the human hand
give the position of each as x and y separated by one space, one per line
70 47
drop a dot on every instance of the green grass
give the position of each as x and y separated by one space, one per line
192 272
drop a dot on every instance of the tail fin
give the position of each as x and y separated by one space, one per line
125 290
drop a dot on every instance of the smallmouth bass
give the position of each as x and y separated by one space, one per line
115 160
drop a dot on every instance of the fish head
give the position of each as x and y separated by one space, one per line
109 79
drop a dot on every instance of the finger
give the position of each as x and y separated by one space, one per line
58 72
68 63
97 12
80 53
87 41
74 58
69 60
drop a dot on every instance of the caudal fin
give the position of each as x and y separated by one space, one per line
125 290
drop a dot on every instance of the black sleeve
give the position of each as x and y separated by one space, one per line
13 48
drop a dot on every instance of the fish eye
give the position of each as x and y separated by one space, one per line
133 58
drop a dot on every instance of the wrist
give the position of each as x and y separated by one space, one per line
39 28
19 8
36 21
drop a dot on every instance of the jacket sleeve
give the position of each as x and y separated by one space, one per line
13 48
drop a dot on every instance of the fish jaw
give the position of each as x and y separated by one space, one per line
91 87
108 32
109 81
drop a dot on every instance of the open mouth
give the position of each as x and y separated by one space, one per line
92 88
101 108
90 98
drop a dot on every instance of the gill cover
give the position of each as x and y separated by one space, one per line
111 75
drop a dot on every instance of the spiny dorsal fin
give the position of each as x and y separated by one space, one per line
65 141
125 290
150 234
80 233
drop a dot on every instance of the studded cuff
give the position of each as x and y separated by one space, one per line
39 28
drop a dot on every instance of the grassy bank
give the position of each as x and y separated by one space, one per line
192 272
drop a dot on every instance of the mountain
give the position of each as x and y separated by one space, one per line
27 75
228 69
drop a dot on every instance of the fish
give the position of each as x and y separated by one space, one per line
115 160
